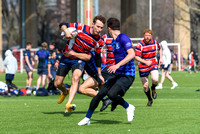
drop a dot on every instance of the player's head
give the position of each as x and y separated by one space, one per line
51 46
44 45
148 34
28 45
164 44
98 24
112 25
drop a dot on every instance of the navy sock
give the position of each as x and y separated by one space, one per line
89 113
126 105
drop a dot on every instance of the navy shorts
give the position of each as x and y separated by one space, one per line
42 71
10 76
163 67
27 68
144 74
67 64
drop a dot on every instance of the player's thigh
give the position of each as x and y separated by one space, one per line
154 75
89 83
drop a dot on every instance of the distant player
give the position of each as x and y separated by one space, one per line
85 41
28 65
42 56
165 66
123 73
190 61
145 53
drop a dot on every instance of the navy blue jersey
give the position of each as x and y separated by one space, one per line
52 62
120 47
58 56
43 56
27 53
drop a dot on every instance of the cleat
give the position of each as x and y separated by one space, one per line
113 106
85 121
159 86
105 104
154 94
62 97
70 107
174 85
149 103
130 112
198 90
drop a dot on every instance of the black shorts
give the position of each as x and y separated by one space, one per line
64 71
123 81
105 73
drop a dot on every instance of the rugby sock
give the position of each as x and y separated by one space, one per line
89 113
153 86
126 105
148 94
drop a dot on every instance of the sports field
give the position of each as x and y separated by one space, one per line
173 112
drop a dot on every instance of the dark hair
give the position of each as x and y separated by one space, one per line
99 17
28 43
113 23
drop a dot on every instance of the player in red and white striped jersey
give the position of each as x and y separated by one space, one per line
85 41
145 53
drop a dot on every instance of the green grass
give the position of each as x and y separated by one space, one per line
173 112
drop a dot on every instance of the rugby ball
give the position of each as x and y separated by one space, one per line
72 30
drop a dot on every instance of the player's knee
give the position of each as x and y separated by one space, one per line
57 84
75 79
81 90
145 86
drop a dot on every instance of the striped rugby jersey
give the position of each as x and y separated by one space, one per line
85 41
109 56
147 52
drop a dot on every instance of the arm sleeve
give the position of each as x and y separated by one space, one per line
98 59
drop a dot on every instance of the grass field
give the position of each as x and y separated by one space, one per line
173 112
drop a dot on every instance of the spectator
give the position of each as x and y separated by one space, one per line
165 66
196 61
42 56
190 61
10 64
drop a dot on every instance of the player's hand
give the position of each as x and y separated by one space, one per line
56 65
112 69
148 62
31 68
102 79
161 61
68 34
49 75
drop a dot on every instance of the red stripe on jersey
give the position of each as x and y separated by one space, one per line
110 56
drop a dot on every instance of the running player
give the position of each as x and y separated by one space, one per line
88 86
145 53
85 41
28 65
123 73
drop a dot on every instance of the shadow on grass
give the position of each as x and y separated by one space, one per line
105 122
69 113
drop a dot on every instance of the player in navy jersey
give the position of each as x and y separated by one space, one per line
51 68
28 65
42 56
85 41
123 73
145 53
